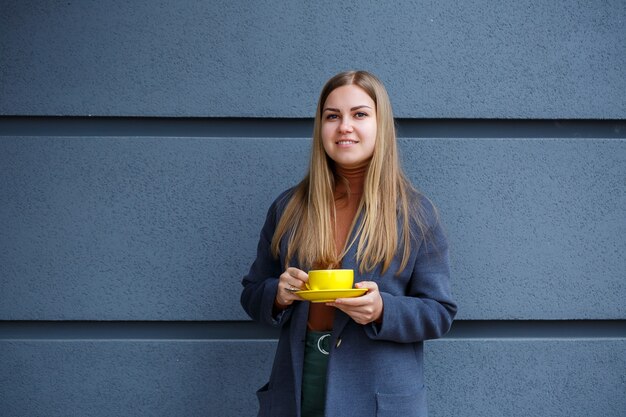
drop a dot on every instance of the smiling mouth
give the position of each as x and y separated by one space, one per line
346 142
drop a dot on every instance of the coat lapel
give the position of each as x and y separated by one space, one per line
298 337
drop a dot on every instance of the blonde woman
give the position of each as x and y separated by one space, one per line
355 209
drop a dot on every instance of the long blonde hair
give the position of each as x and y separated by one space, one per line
387 196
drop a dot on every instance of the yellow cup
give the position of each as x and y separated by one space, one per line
330 279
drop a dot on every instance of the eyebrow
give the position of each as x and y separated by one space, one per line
352 109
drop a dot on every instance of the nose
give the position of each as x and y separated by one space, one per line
345 126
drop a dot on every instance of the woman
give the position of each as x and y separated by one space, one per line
355 209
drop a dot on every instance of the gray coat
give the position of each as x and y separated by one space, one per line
373 370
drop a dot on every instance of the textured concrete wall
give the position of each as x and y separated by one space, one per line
510 59
123 241
122 228
465 378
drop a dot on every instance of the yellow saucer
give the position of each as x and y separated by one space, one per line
326 296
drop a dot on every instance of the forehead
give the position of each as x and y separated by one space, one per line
348 96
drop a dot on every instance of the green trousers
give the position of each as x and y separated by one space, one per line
314 373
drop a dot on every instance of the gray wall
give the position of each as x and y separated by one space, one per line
141 144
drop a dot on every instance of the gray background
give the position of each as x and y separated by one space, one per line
142 143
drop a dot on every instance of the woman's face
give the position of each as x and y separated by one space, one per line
349 126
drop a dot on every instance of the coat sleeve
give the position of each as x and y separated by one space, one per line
426 309
261 282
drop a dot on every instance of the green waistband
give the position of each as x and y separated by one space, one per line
318 340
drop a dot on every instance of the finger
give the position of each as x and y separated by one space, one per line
286 296
362 309
291 285
361 300
286 280
297 277
295 272
298 274
370 285
284 277
357 315
353 301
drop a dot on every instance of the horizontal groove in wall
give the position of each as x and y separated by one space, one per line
246 330
296 128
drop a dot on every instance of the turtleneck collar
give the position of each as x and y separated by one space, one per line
355 177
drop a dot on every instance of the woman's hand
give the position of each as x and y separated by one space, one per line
364 309
293 279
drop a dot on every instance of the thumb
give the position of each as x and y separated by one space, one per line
370 285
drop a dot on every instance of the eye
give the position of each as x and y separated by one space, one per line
360 115
331 116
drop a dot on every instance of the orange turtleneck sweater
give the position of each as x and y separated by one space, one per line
347 200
